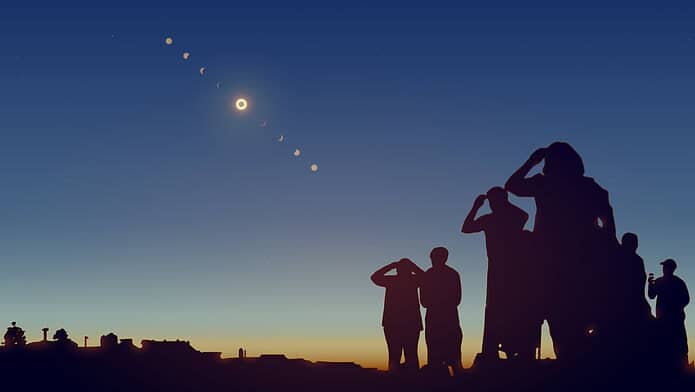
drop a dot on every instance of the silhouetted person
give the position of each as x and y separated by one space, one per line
672 297
401 320
631 287
627 325
574 234
632 267
440 294
509 319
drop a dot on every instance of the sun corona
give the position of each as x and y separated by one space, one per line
241 104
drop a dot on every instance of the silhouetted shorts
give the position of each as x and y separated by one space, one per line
443 344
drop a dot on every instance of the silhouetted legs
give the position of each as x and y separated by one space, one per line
523 335
571 341
490 336
444 346
412 362
674 342
402 343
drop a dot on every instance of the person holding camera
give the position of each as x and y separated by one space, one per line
672 297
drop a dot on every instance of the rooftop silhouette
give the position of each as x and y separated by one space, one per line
175 365
169 365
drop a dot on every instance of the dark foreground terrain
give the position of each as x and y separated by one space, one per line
175 366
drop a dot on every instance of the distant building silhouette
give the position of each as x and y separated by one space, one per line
172 349
108 341
127 343
174 366
158 365
63 340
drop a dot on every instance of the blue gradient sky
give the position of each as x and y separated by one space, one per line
132 199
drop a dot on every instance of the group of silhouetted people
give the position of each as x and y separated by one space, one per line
570 271
440 294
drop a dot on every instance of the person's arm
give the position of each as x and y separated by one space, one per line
416 271
685 295
643 272
424 292
652 290
419 276
458 289
521 217
524 217
470 224
379 277
518 184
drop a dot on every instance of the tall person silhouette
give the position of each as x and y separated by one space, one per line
631 316
510 321
672 297
401 319
575 236
440 294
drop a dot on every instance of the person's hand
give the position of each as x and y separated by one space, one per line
537 156
479 201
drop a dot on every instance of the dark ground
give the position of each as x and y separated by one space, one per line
133 372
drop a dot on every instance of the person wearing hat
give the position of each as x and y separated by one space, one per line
672 297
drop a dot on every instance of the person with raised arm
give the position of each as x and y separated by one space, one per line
401 320
574 237
510 320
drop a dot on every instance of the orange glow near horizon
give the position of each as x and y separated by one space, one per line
366 351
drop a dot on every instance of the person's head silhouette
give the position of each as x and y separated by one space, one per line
497 197
439 256
630 242
403 267
668 266
562 161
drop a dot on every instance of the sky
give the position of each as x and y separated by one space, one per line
134 199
